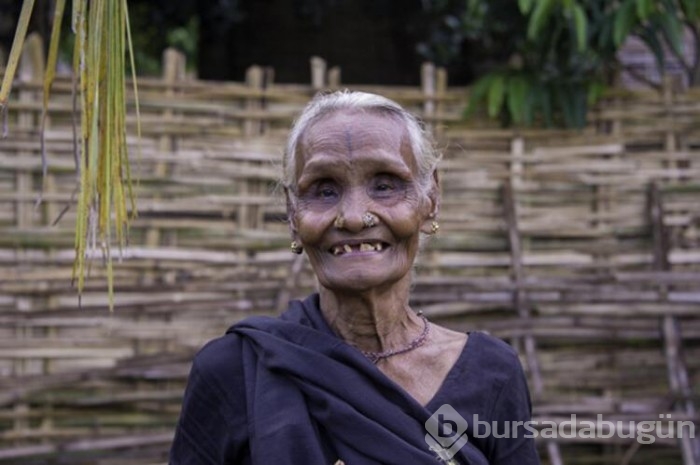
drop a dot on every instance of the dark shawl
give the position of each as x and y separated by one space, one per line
313 399
288 391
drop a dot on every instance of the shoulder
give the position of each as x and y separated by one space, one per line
227 353
493 355
219 352
219 363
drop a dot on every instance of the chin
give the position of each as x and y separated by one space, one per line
359 280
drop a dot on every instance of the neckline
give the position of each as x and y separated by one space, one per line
459 366
462 360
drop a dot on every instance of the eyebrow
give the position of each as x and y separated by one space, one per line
323 163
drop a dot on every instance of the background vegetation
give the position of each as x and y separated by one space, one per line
534 62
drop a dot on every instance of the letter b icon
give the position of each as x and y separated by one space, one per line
446 426
446 432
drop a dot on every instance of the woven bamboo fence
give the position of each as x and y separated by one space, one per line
581 248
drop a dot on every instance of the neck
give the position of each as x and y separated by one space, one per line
374 320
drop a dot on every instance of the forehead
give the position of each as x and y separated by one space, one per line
353 133
361 123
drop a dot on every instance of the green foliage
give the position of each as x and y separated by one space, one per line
159 24
551 76
580 26
623 22
553 58
538 18
184 38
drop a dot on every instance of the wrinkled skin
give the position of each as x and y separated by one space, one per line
350 164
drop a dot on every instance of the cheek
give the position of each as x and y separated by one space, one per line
406 227
407 220
312 225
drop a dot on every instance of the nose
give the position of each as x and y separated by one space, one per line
353 205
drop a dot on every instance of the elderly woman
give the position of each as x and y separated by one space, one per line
352 374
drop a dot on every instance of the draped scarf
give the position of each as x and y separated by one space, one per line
313 399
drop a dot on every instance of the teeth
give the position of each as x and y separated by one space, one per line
363 247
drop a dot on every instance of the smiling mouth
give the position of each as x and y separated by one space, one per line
361 247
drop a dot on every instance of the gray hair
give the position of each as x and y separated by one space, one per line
422 145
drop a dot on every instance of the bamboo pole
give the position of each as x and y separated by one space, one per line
672 338
440 91
428 85
318 73
521 305
173 70
334 77
31 68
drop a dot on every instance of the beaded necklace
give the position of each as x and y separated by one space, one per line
375 357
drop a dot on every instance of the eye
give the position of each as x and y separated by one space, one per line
326 189
386 185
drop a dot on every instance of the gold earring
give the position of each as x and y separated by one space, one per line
296 248
434 227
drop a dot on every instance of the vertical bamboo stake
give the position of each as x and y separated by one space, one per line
679 384
31 69
268 83
334 75
670 136
255 79
616 125
517 153
517 172
601 207
49 210
173 71
521 305
318 73
601 203
427 77
247 213
265 126
441 90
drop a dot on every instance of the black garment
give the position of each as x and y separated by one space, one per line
288 391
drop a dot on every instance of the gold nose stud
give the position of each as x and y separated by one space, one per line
369 220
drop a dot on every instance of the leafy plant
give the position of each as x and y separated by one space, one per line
99 62
557 56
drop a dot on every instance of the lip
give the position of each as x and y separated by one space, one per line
357 247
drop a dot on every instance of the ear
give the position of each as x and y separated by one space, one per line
433 203
291 213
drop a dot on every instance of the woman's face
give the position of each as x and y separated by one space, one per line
351 163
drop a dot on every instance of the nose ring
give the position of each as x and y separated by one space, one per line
339 222
369 220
